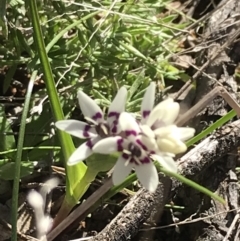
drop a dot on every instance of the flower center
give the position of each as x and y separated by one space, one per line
102 130
134 150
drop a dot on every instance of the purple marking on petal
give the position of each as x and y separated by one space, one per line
146 113
98 115
89 144
133 161
119 144
142 145
85 131
125 156
145 160
113 114
114 129
130 132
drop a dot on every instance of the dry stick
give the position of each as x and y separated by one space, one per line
219 90
202 19
188 221
211 58
235 220
203 155
236 238
80 210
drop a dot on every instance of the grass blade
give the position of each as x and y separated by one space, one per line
14 215
212 128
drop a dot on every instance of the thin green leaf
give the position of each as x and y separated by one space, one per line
17 171
7 141
8 77
193 184
136 84
212 128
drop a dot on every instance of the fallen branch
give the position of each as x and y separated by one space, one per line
126 224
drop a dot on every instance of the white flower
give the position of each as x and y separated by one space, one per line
157 124
134 153
99 127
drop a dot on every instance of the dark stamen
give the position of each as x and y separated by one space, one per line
135 150
102 130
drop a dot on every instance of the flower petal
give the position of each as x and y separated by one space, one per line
117 106
165 131
148 176
148 139
147 131
109 145
83 151
76 128
129 125
172 137
166 162
171 114
89 107
185 133
171 145
80 154
121 170
148 102
169 139
166 112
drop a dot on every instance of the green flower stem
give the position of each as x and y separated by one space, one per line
192 184
73 173
212 128
16 181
